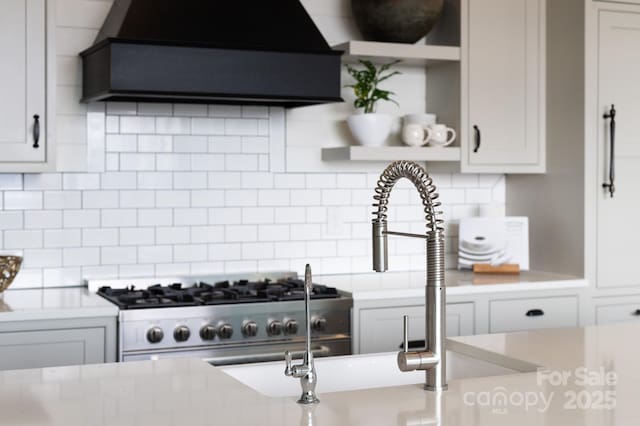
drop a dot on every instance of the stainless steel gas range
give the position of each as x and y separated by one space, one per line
226 319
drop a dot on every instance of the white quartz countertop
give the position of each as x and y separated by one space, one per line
189 392
387 285
53 303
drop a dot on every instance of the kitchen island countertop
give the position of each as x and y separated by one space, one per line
189 392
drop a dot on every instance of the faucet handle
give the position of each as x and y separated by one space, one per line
288 371
405 333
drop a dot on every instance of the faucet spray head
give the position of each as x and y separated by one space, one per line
380 252
308 282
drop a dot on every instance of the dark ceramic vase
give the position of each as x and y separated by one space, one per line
396 21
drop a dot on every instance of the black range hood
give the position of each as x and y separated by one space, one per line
265 52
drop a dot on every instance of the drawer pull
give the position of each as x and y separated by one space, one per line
414 345
636 313
535 313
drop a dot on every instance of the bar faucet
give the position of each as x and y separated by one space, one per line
432 359
306 371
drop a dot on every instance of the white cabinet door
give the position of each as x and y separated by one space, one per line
22 81
618 233
504 86
381 328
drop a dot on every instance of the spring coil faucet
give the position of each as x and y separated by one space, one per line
432 359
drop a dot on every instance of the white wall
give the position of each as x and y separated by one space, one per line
153 189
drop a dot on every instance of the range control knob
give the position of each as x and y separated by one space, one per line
155 335
318 323
274 328
250 329
181 333
291 326
208 332
225 331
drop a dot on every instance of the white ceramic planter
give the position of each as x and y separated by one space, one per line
370 129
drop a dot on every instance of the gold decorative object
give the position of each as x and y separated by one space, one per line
9 267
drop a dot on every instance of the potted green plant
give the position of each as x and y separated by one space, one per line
367 126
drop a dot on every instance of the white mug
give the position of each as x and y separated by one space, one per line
416 134
441 135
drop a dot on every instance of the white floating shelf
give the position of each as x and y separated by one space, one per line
409 53
390 153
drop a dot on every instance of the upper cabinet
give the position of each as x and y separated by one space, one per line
503 86
24 114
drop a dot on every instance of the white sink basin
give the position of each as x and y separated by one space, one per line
345 373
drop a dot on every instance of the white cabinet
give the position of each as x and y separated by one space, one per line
53 343
618 84
24 113
532 314
619 310
503 86
380 329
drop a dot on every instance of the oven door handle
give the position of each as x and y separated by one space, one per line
318 351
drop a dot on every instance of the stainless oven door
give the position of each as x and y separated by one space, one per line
245 354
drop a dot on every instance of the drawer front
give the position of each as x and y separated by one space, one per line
381 328
624 312
534 313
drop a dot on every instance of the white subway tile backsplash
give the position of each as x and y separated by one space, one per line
137 162
81 218
155 143
155 180
207 234
114 218
225 144
172 199
100 199
241 127
173 235
137 125
225 111
22 239
27 200
190 110
42 181
118 255
11 220
199 216
180 189
122 143
137 199
190 144
273 232
155 254
100 237
173 125
145 108
137 236
155 217
81 256
208 126
190 253
190 180
119 180
10 181
42 219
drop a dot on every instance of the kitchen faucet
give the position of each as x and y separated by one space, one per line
432 359
306 371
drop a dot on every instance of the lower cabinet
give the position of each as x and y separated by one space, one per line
37 344
533 313
616 310
380 329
